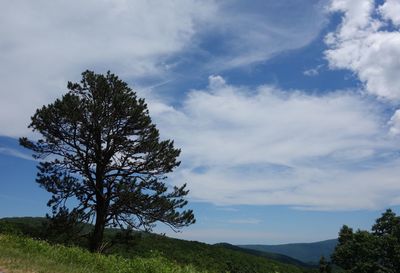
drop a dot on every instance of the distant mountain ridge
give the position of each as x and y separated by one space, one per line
308 253
269 255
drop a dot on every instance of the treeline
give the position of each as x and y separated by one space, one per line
361 251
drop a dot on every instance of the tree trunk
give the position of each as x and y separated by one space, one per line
97 236
101 209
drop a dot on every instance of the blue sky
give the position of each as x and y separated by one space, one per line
286 111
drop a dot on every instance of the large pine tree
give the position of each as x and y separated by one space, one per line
100 148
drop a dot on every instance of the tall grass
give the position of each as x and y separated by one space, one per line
21 254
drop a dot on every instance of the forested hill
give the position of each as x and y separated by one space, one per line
204 257
269 255
306 252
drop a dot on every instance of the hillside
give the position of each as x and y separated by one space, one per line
269 255
200 256
24 255
306 252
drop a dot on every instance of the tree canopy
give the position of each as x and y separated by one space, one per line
377 251
99 147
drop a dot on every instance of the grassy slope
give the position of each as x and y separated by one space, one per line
201 256
21 254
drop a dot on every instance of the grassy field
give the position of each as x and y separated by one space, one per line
23 255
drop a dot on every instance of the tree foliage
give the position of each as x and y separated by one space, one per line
324 266
100 148
377 251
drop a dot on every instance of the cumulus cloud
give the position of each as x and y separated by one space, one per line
364 44
279 147
367 42
391 11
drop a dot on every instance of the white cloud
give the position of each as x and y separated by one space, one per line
240 146
227 111
391 11
45 43
312 72
286 148
394 122
364 45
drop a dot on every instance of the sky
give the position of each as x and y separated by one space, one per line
287 112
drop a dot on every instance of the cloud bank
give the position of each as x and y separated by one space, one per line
269 146
44 44
257 146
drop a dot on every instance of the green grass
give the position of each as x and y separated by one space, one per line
159 253
21 254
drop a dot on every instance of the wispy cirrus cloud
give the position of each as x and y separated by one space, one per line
313 72
15 153
246 221
244 34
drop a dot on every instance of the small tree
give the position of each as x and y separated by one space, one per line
324 266
100 148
